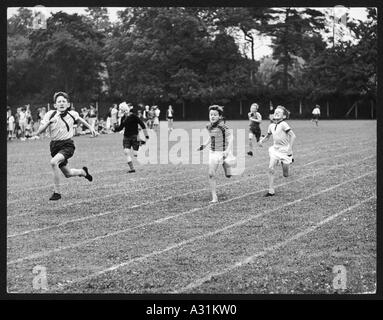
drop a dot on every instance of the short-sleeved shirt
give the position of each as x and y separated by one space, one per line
62 129
280 134
130 123
23 117
316 111
219 136
254 124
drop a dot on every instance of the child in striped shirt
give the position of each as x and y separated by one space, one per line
221 144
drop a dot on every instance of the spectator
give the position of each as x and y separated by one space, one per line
92 117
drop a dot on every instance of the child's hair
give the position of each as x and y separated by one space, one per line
60 93
216 108
254 105
285 111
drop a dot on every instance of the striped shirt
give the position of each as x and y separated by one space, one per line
279 131
62 129
219 136
254 124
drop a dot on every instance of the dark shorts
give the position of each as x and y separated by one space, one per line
256 132
131 142
65 147
316 116
170 118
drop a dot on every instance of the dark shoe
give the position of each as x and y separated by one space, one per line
88 176
55 196
250 153
131 171
269 194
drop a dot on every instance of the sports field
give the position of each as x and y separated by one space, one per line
154 231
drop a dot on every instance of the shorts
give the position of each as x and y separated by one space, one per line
256 132
131 142
316 116
156 121
170 118
65 147
216 157
280 155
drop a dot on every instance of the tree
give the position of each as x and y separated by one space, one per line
68 54
296 34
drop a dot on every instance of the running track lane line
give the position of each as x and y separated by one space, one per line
132 207
212 233
274 247
78 244
143 178
150 202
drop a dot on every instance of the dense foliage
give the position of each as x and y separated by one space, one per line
188 55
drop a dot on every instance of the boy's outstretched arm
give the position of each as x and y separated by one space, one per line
43 127
86 124
265 138
204 145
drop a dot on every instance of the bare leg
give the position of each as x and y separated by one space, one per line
55 161
272 164
68 172
213 183
285 169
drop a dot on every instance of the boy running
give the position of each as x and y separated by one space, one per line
255 130
60 123
221 143
131 144
282 150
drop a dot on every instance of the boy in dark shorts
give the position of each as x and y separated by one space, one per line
254 126
130 121
60 123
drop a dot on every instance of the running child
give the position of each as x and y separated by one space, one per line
254 126
130 142
281 151
169 117
221 144
60 123
316 114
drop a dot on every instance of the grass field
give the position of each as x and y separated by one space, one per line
154 231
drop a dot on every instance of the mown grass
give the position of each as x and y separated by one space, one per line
155 232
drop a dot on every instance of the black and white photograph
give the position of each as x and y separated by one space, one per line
187 150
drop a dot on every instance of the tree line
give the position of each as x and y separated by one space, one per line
188 57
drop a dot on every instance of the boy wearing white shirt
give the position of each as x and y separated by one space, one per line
316 114
60 123
281 151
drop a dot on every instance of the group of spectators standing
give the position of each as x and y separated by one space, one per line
23 123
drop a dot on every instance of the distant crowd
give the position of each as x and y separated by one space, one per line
22 124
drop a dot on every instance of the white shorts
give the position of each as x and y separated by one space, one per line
216 157
280 155
156 121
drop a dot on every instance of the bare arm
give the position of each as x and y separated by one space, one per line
265 138
292 136
204 145
86 124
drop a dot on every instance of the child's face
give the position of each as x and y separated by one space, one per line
253 109
279 114
214 116
61 104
